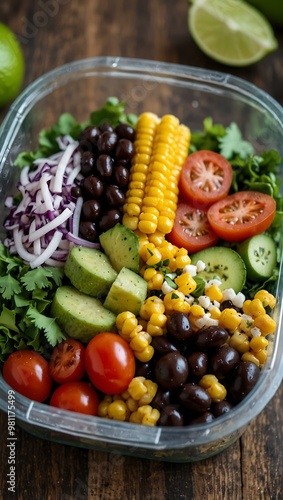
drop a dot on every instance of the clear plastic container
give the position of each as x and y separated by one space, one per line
191 94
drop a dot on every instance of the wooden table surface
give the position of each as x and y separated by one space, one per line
53 32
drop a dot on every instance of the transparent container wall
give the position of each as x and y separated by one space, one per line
192 95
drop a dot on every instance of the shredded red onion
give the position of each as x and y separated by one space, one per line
45 224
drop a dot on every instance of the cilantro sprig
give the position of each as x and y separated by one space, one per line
25 298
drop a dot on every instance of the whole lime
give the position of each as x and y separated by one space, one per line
12 65
272 9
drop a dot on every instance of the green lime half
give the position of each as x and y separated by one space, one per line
230 31
12 65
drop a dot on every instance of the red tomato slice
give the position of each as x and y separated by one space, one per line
27 372
242 215
67 362
110 363
191 229
76 396
205 178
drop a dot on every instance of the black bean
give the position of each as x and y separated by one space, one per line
228 304
171 370
76 191
210 337
121 176
105 127
221 408
224 360
85 145
124 150
161 399
104 165
107 142
171 415
87 163
91 209
194 397
245 377
88 230
90 133
93 186
204 418
144 370
109 219
125 131
162 346
198 362
113 196
179 327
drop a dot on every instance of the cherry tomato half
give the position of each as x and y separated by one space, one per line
242 215
205 178
76 396
110 363
191 229
67 362
27 372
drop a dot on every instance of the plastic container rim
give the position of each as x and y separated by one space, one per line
151 437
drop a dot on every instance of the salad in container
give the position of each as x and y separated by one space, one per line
140 257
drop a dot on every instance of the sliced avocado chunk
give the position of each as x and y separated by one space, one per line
121 246
80 316
224 264
260 256
127 293
90 271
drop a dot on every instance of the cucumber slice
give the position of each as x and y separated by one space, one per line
80 316
90 271
121 246
224 264
260 256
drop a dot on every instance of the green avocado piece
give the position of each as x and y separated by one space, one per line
90 271
121 246
80 316
127 293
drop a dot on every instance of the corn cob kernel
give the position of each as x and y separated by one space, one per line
265 323
216 391
267 299
249 356
186 284
230 319
118 410
240 342
258 343
214 293
145 415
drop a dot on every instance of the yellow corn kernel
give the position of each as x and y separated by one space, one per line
124 316
137 388
256 308
181 261
118 410
154 258
267 299
165 224
156 282
215 313
158 319
261 356
151 390
150 306
132 405
175 301
229 319
258 343
102 410
265 323
145 415
145 216
214 293
240 342
246 307
156 238
216 391
130 221
146 250
249 356
186 284
145 355
149 273
138 343
197 310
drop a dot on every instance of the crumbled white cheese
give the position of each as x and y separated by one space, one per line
206 320
200 266
166 288
255 332
238 300
213 282
192 270
229 294
204 301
